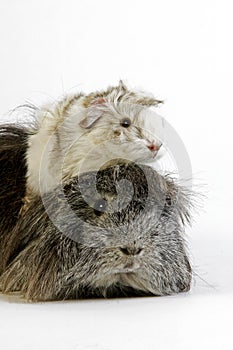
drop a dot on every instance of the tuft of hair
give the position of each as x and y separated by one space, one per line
121 93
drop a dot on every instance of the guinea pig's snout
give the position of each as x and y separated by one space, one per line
153 147
130 250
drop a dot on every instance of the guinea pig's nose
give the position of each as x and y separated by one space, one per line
154 147
130 250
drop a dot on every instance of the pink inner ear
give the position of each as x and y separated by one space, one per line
98 101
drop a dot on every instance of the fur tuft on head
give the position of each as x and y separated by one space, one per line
114 97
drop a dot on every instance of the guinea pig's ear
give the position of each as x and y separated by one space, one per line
148 101
122 85
94 112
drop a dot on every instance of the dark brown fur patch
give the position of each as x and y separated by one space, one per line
13 146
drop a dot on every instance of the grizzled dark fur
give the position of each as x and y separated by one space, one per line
13 146
124 239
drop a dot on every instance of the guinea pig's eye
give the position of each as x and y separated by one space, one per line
100 207
125 122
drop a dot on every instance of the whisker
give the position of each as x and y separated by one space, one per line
203 280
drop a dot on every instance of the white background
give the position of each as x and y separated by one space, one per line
182 52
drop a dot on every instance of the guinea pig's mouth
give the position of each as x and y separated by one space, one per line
129 268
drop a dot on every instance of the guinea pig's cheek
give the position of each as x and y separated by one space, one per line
121 138
142 150
97 140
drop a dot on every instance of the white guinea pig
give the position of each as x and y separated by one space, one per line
82 132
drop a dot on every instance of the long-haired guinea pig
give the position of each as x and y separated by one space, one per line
82 131
117 232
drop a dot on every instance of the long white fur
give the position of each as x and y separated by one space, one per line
72 138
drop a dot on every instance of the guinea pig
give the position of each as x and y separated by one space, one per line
81 132
112 233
